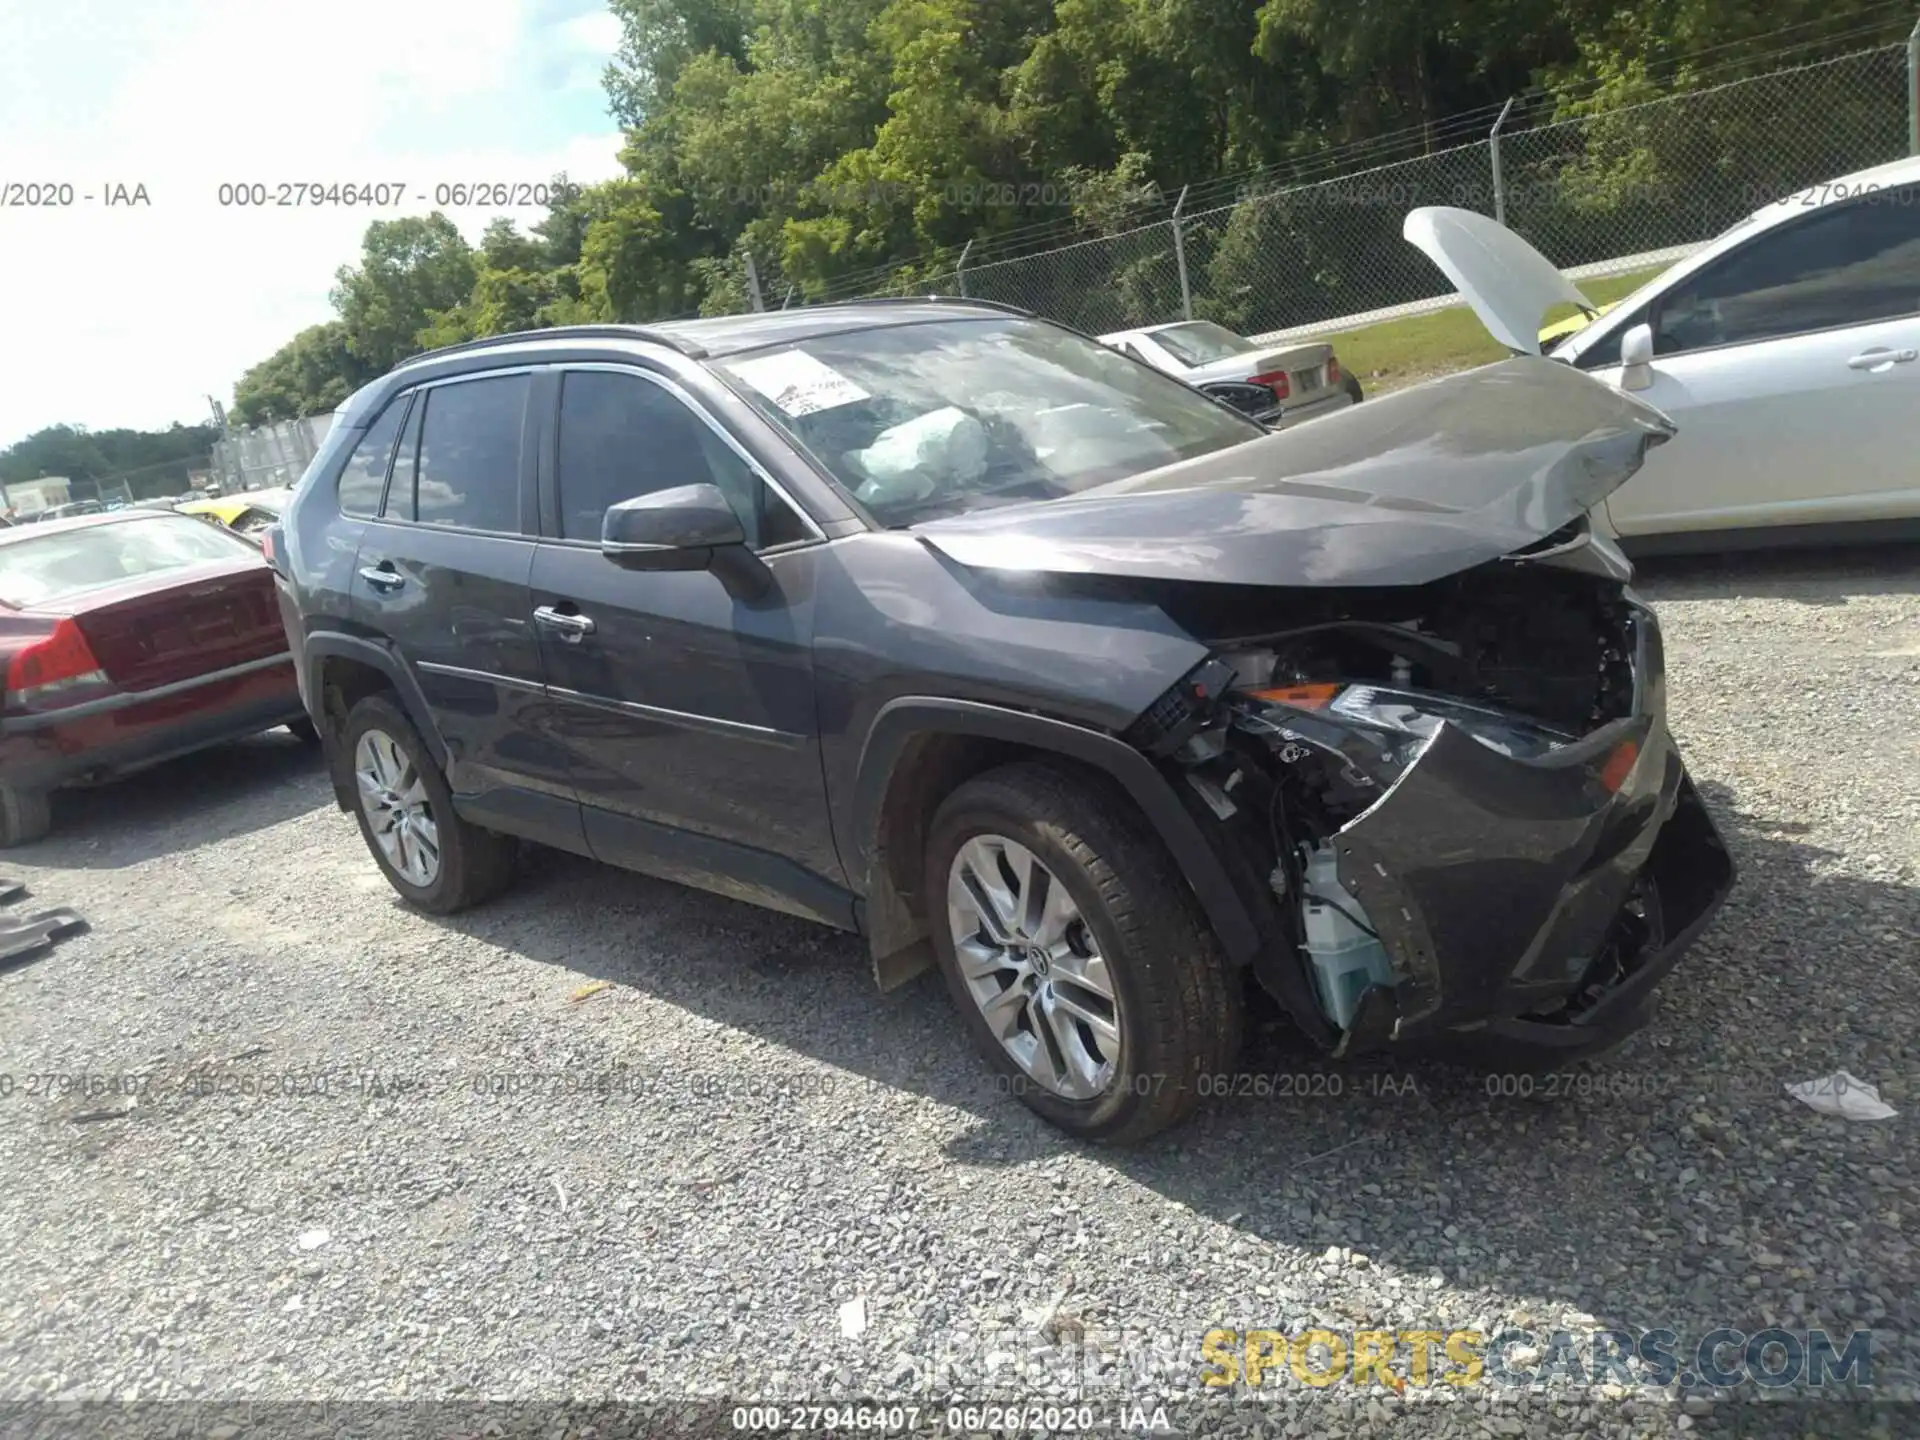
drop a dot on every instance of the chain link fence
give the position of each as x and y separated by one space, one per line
1609 192
268 455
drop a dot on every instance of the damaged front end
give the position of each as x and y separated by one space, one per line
1456 806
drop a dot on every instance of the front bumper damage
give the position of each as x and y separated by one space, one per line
1522 902
1528 902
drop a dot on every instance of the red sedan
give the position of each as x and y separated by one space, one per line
127 639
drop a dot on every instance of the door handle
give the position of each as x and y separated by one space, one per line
382 577
1880 357
573 628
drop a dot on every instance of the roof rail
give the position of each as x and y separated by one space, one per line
566 332
1001 306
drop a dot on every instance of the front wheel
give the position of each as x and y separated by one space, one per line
1076 953
435 859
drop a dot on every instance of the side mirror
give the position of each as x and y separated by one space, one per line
1636 358
678 529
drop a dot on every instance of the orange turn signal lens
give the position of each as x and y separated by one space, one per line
1300 697
1619 765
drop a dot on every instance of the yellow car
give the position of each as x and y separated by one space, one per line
246 513
1573 324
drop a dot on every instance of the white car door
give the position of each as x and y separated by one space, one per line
1792 367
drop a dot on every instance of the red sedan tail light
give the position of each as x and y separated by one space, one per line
1333 369
47 672
1276 381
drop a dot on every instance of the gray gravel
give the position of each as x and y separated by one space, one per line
770 1140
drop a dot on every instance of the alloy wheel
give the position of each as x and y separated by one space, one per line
399 814
1030 962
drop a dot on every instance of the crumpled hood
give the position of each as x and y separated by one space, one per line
1402 490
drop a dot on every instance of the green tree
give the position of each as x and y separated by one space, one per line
409 269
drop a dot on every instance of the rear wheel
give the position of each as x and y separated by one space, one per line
429 854
1076 953
25 815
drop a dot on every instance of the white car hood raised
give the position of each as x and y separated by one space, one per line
1509 284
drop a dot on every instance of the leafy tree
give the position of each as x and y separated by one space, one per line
151 461
852 146
409 269
309 375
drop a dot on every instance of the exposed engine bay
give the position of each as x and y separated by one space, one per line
1511 681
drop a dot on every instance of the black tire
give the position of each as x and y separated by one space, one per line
475 864
1180 1003
304 730
25 815
1351 384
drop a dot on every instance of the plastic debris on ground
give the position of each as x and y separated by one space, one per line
1843 1095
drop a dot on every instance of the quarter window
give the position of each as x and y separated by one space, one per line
467 470
364 477
406 459
622 437
1852 264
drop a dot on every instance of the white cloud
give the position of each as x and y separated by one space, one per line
134 315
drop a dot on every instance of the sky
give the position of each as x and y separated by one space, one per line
134 315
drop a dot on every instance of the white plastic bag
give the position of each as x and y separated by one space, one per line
1843 1095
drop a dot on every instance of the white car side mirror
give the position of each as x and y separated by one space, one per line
1636 358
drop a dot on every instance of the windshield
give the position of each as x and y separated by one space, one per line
1200 343
937 419
66 563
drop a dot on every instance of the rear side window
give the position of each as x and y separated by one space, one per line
1852 264
365 476
467 472
54 568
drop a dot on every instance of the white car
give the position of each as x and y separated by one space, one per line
1303 380
1785 351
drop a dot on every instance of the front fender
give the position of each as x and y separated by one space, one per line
894 929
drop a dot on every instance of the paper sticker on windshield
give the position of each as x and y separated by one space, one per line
798 383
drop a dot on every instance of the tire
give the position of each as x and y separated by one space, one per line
25 815
304 730
1179 1004
472 865
1351 384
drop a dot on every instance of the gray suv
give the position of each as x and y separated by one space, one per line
948 626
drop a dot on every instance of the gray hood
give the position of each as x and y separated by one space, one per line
1404 489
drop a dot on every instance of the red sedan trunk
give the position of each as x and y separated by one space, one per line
125 640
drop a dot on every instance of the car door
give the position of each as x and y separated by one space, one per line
1789 365
442 572
684 701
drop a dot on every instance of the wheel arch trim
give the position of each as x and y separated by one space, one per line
902 719
332 644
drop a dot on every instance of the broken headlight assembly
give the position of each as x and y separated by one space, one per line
1383 728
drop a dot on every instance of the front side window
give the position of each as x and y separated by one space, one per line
622 437
364 477
467 472
1852 264
55 568
938 418
1200 342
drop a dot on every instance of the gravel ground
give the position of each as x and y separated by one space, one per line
454 1217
